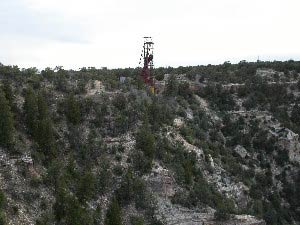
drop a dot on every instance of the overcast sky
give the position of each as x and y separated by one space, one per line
78 33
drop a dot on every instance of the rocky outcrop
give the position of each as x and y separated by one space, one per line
161 181
175 137
171 214
178 122
290 141
241 151
287 140
17 175
227 185
95 87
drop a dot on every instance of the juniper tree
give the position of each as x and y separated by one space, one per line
2 205
43 111
126 193
113 215
295 115
45 135
8 92
31 112
172 86
73 110
86 187
145 141
2 199
38 121
6 122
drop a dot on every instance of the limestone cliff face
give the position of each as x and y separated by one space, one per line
290 141
15 176
177 215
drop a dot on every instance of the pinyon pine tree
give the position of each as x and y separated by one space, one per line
6 122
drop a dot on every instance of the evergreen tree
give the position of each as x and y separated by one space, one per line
45 136
31 111
113 214
184 90
6 122
145 141
43 111
59 207
97 216
2 218
8 92
48 73
172 86
38 121
76 214
145 144
86 187
126 191
137 221
222 214
2 200
295 115
67 210
120 102
73 110
188 171
2 204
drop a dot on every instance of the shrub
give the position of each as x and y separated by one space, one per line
118 170
2 218
113 214
145 141
86 187
73 110
136 220
2 200
222 214
6 122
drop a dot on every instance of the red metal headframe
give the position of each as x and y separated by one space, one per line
148 61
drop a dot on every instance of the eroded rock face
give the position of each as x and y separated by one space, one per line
178 122
241 151
290 141
171 214
95 88
287 140
226 185
161 181
18 191
175 214
175 137
218 176
294 152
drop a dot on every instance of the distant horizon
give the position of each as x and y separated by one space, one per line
109 33
235 61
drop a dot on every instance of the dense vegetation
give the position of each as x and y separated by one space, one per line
69 133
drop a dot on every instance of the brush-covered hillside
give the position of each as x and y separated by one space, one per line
216 144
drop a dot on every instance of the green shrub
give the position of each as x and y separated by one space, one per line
2 200
73 113
136 220
222 214
118 170
2 219
113 214
86 187
7 129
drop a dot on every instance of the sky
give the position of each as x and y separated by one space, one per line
108 33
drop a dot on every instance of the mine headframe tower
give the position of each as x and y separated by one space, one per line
147 57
